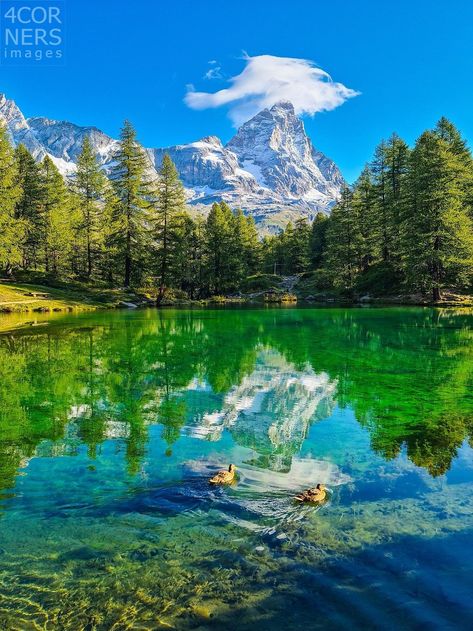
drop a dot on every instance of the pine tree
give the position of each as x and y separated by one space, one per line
60 215
252 244
12 230
29 206
272 259
89 185
132 202
108 261
318 240
397 158
168 215
218 237
245 251
365 213
299 247
382 225
189 255
344 243
447 131
439 241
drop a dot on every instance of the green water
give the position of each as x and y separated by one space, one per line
112 423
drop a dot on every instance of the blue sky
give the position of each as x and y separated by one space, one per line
411 61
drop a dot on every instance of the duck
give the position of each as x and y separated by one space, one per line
314 495
224 476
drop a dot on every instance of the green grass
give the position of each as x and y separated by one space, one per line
261 282
18 297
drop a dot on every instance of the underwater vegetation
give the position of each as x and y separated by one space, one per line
111 425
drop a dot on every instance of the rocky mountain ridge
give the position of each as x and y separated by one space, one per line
270 168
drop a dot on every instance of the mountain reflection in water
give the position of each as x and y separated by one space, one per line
112 423
263 376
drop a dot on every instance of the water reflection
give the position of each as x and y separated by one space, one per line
111 424
263 377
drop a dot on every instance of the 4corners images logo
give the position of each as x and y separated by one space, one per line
32 32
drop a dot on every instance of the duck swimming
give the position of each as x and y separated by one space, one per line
317 494
224 476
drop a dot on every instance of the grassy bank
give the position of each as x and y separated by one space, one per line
41 297
315 288
19 297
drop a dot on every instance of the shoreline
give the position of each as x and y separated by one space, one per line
17 298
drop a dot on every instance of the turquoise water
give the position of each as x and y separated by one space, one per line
112 423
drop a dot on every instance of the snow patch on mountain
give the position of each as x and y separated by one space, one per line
270 168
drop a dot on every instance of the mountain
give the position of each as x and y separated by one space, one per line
270 168
270 411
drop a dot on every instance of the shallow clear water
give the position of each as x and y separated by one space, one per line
112 423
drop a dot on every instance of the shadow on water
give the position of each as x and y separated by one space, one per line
388 586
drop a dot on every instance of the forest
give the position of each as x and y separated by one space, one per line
405 226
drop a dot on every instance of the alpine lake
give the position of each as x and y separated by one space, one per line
112 423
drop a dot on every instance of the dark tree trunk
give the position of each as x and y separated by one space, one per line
127 271
160 297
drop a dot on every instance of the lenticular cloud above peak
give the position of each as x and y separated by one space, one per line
265 80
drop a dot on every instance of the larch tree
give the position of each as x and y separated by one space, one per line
29 206
381 216
60 218
439 243
245 247
299 247
132 203
169 207
218 236
12 230
318 240
447 131
89 185
397 159
344 243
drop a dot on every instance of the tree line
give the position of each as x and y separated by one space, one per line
405 225
130 229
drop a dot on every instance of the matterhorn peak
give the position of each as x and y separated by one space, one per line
269 168
283 106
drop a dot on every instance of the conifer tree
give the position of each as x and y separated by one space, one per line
245 251
189 255
439 243
168 220
299 247
29 206
218 237
131 207
12 230
272 258
397 158
344 243
89 185
447 131
381 226
318 240
365 214
108 261
60 218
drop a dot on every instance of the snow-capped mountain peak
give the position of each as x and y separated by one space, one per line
274 143
270 168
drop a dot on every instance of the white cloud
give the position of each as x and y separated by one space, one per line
266 80
214 73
